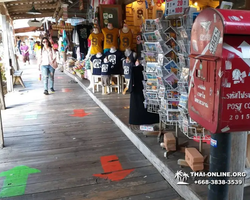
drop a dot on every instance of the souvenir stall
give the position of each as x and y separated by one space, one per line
166 45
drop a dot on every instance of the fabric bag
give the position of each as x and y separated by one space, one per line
53 63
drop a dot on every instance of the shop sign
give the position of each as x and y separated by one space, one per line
176 7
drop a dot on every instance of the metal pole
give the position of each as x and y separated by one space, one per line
219 162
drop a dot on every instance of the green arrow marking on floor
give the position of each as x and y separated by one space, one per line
16 180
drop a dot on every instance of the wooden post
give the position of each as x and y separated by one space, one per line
6 54
238 158
1 132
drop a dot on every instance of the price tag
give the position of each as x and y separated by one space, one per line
176 7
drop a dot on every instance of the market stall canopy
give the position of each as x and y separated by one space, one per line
24 9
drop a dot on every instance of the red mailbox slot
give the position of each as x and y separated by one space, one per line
219 84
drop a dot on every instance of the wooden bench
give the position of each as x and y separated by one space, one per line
17 77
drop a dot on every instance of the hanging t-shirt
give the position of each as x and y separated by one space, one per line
126 40
83 34
96 43
97 64
127 67
139 9
110 38
116 60
106 68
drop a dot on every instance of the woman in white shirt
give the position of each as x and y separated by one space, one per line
47 57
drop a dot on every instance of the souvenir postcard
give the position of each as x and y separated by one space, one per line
166 36
186 10
184 74
150 37
171 67
151 67
159 48
172 55
159 71
160 81
150 25
161 93
182 46
151 85
183 32
150 46
171 43
160 59
183 101
175 22
172 32
150 57
226 5
158 23
151 76
172 95
158 35
173 104
182 61
171 79
151 95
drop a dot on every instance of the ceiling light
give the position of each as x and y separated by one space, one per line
33 11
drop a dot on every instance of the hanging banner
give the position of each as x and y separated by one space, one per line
176 7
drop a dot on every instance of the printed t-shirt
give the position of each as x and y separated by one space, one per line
116 60
96 64
106 68
127 67
83 33
96 43
110 37
126 40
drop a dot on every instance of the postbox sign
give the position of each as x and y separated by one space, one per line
219 84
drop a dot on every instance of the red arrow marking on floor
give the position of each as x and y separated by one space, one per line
80 113
59 77
66 90
113 169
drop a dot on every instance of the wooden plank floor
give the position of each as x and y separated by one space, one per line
40 133
118 104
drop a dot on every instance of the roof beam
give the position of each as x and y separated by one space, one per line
27 16
26 8
23 2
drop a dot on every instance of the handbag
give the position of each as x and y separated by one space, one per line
54 64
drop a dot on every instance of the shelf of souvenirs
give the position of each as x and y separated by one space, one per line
66 27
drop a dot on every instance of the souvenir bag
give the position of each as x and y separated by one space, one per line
54 62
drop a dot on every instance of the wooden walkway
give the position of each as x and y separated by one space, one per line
55 144
116 106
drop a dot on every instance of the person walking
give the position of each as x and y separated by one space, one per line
19 44
25 52
47 64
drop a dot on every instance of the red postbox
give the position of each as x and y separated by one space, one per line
219 81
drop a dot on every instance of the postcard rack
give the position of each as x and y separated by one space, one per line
165 51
